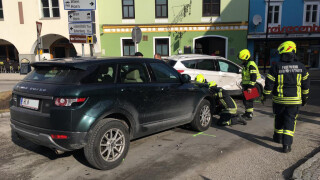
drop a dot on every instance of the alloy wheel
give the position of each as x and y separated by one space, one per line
112 145
205 116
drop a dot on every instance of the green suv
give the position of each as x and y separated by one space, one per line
102 104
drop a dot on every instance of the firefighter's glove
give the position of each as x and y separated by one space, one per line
304 101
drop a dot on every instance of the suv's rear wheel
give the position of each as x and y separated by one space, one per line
108 144
203 117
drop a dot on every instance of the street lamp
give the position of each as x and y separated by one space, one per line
266 40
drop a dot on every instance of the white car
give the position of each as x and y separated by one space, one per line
226 73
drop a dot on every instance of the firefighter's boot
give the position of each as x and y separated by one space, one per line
247 116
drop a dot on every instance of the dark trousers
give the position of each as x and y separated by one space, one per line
285 122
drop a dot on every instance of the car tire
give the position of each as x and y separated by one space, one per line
108 144
203 118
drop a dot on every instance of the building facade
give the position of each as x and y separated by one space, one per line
295 20
18 32
169 27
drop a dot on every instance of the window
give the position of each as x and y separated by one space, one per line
211 8
52 74
161 8
190 64
164 74
206 64
1 10
311 11
228 67
162 46
134 73
128 47
106 74
274 13
50 8
127 9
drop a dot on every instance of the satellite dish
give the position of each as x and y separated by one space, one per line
257 19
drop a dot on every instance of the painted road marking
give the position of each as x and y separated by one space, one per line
202 133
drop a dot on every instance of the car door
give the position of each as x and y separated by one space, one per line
178 98
230 75
208 68
136 92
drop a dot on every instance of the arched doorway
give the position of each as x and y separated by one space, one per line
8 51
211 45
9 57
62 48
54 46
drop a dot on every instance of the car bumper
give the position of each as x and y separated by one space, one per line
40 136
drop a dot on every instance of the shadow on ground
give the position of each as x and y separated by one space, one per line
49 153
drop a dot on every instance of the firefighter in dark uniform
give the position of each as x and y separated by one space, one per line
250 74
227 107
289 84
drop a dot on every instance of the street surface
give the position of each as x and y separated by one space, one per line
238 152
7 85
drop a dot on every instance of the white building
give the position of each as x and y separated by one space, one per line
18 32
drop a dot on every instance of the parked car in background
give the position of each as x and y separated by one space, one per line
102 104
226 73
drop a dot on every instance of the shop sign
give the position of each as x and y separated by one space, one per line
294 29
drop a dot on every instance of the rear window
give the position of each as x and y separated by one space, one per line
55 75
171 62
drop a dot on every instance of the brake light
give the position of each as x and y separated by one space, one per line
68 101
58 136
180 71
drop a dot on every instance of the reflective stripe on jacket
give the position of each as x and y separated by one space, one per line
250 73
288 82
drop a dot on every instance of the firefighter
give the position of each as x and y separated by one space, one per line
289 84
227 108
250 74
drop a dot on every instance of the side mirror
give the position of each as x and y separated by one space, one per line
186 78
240 71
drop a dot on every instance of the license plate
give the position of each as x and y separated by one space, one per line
29 103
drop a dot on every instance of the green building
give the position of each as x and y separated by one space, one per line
169 27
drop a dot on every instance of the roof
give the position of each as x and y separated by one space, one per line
192 56
84 62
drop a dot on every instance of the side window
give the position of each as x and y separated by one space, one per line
134 73
189 64
164 74
206 64
106 74
228 67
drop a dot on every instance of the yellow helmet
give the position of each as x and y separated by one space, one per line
212 83
200 78
244 54
287 47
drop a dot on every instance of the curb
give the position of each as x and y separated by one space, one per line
5 115
297 173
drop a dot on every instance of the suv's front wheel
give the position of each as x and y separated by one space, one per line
108 144
203 117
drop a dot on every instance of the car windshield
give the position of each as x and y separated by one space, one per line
55 75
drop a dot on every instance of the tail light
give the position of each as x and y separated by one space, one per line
58 136
180 71
69 101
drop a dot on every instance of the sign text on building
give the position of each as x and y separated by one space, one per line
294 29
